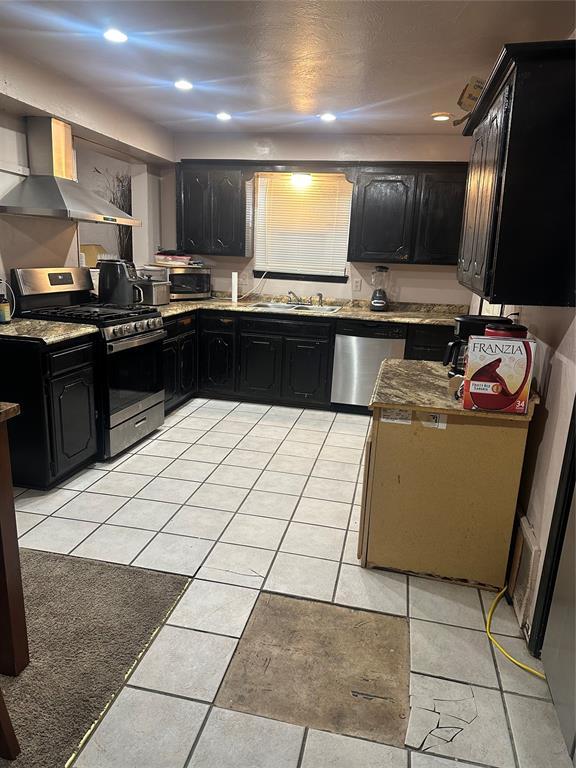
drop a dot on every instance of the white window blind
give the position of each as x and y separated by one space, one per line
301 229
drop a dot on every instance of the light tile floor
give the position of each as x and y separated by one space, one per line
243 497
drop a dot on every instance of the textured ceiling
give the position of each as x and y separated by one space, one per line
381 67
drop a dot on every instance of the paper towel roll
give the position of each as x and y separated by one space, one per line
234 287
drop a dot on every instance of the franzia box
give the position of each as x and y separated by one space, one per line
498 374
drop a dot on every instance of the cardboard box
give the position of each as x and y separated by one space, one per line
471 93
498 374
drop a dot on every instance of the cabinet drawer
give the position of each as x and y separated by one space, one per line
180 325
213 322
68 359
287 327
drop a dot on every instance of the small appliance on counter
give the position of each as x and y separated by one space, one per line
188 281
155 292
119 284
379 300
466 326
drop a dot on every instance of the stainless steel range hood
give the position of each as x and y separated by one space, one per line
51 189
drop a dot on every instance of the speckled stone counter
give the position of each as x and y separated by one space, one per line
48 331
8 411
420 385
432 315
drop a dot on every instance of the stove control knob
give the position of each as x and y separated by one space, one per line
151 323
115 331
140 325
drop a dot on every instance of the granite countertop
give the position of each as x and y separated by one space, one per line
420 385
8 411
409 313
48 331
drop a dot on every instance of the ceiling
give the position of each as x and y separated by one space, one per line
381 67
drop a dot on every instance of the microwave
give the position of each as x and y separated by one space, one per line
188 282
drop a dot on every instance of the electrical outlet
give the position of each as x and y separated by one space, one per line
357 284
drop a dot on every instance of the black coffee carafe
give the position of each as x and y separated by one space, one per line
466 326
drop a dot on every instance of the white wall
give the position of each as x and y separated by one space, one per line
555 330
341 146
37 88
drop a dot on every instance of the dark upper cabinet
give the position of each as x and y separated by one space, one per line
439 217
517 243
211 210
73 414
260 365
228 213
306 378
194 211
382 215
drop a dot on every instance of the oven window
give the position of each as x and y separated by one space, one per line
133 375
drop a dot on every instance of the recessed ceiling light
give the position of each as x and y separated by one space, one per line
327 117
440 117
115 36
224 116
301 180
183 85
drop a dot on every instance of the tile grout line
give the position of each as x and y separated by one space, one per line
502 697
302 747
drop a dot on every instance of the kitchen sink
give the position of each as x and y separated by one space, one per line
277 305
315 308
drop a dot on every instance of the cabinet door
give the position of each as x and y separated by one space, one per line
193 211
494 129
171 378
260 365
305 376
427 342
228 215
439 217
382 216
482 193
187 353
73 420
217 361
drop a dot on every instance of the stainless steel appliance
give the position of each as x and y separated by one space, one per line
464 327
129 376
360 347
188 282
155 293
52 188
119 283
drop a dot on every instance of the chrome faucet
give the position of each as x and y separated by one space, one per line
297 300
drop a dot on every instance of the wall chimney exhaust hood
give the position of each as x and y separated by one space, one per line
51 189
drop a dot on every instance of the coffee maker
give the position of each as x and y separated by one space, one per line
119 283
466 326
379 300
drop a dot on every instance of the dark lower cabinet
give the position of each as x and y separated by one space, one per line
170 365
427 342
217 361
188 364
306 378
260 365
73 414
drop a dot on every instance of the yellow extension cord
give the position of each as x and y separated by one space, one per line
495 642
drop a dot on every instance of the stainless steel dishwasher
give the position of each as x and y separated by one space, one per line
360 347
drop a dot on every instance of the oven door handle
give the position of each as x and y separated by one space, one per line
134 341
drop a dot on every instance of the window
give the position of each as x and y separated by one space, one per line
301 223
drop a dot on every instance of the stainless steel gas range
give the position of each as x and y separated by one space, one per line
129 377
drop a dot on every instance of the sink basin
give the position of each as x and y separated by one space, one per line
278 305
315 308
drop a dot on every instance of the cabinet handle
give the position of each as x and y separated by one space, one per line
220 243
139 423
